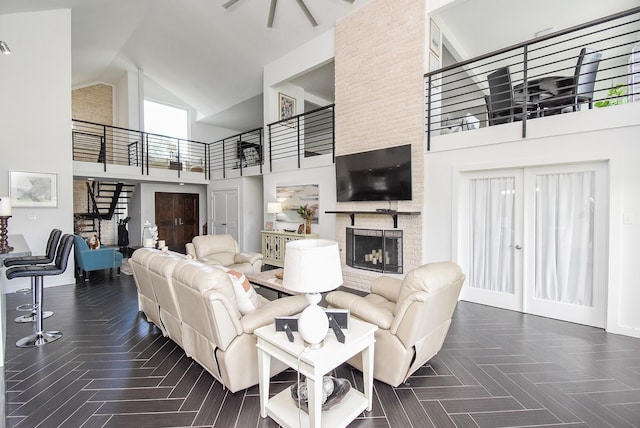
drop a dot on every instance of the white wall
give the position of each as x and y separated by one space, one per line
35 121
250 209
309 56
609 134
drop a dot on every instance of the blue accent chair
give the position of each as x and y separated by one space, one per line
88 260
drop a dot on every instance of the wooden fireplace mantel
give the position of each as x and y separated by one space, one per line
392 213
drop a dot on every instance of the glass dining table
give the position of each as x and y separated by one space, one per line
542 88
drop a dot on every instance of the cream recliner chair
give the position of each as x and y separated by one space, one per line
413 317
215 333
223 250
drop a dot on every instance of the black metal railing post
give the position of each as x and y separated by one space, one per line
525 91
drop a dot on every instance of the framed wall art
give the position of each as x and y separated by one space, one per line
293 196
33 189
286 107
434 38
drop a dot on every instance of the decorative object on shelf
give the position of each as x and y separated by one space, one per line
274 208
307 213
149 235
303 229
33 189
333 391
313 266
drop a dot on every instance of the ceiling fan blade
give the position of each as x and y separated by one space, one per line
307 12
350 1
230 3
272 12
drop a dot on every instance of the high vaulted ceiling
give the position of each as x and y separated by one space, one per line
212 58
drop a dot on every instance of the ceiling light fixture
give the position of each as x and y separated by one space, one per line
272 10
4 48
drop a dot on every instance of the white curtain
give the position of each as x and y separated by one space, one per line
564 237
492 222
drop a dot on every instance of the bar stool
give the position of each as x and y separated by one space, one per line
41 337
52 244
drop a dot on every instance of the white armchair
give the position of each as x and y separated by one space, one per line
413 317
224 250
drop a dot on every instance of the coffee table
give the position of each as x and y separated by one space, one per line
268 279
314 364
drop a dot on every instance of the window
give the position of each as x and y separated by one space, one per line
166 120
169 128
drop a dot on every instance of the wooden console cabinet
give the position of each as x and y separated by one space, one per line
274 243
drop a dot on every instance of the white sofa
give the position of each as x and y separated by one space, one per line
224 250
197 306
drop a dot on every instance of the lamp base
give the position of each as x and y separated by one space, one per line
313 323
4 244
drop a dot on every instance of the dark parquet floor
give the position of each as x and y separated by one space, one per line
497 369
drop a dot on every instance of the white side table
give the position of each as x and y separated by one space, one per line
314 364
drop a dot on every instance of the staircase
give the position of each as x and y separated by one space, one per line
104 200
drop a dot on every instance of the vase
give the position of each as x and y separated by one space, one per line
308 229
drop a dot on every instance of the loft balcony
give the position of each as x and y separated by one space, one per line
564 82
303 141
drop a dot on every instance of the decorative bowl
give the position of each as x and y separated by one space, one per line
340 389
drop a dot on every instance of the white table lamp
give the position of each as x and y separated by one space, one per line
312 266
274 208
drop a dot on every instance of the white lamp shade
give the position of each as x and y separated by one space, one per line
274 207
312 266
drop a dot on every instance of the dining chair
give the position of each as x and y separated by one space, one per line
580 89
502 107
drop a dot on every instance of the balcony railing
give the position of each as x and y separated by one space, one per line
111 145
542 77
302 137
236 154
297 139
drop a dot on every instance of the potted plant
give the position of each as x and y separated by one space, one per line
615 96
307 213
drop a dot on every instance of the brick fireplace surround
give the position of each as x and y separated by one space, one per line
379 69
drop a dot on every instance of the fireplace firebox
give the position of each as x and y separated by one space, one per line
374 249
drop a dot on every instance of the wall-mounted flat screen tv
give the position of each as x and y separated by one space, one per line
377 175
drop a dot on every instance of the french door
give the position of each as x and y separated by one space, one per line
534 240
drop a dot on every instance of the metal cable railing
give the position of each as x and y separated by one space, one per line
303 136
539 77
236 153
111 145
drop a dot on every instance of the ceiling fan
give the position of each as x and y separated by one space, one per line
272 10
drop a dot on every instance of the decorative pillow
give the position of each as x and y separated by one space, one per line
246 297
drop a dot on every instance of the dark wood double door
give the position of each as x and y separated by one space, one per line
177 218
